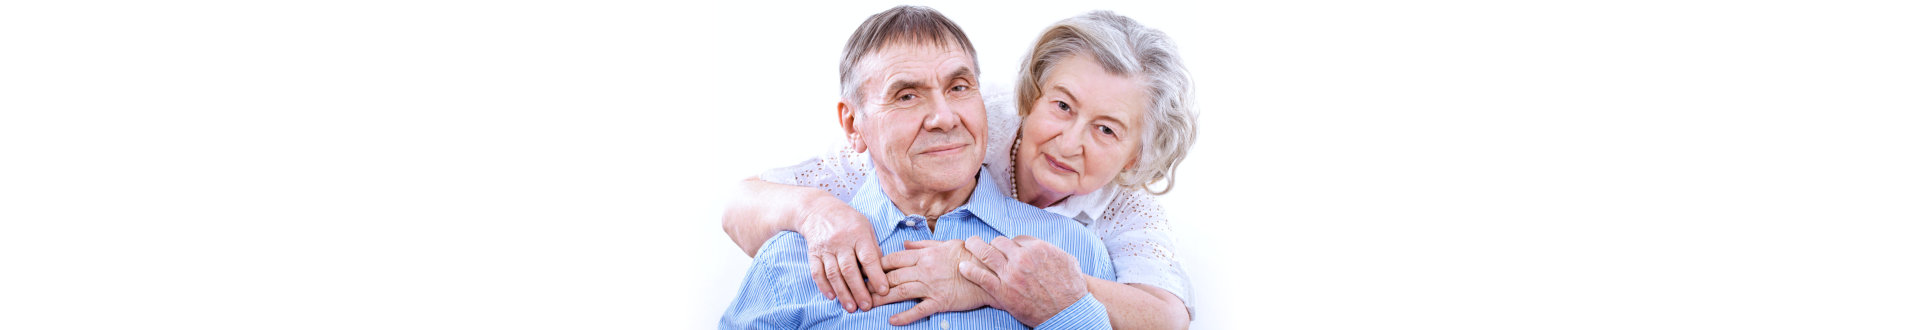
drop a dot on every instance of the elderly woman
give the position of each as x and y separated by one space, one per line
1104 109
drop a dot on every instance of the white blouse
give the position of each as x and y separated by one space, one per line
1129 221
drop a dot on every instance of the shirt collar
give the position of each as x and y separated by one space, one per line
1085 208
986 203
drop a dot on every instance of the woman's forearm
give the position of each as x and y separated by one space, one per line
1139 306
760 209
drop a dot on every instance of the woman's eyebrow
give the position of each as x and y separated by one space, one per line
1063 90
1116 121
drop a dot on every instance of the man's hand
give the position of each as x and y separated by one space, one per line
929 270
840 244
1025 276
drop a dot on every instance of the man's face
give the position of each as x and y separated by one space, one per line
920 117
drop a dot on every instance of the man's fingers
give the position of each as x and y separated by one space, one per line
870 262
1005 244
976 246
919 311
994 258
850 269
980 276
819 276
1031 242
834 280
900 259
904 275
903 292
910 245
1007 248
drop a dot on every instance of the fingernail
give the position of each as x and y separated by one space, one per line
863 306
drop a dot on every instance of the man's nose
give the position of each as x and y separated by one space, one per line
943 117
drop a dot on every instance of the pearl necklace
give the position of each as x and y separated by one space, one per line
1013 166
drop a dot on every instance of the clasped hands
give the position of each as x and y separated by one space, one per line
1024 276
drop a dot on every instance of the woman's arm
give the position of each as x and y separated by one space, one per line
1139 306
1139 236
761 209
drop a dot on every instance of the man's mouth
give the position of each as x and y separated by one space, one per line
943 150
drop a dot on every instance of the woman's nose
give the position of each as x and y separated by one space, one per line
1070 141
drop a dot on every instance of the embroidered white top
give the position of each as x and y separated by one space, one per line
1130 221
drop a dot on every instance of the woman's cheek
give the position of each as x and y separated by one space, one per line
1105 169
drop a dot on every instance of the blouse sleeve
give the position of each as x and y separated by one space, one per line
1137 235
839 172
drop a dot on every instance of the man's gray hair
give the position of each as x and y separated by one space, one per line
899 26
1126 48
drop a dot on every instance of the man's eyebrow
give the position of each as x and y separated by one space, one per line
963 71
904 84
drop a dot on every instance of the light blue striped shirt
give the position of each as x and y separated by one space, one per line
779 293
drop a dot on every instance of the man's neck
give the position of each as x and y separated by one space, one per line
929 204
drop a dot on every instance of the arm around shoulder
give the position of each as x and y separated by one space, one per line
760 209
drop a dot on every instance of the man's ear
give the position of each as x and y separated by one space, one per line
845 116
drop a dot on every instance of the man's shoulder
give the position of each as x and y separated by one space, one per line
783 246
777 288
780 258
780 266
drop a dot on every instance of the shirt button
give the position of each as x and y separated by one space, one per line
910 223
943 324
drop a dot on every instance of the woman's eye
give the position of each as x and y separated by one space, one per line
1106 130
1063 106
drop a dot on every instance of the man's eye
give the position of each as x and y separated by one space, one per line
961 88
1063 106
907 97
1106 130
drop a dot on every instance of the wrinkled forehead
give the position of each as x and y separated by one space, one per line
926 61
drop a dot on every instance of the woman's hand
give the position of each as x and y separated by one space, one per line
1025 276
840 244
929 271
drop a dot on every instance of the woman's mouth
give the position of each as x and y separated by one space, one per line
1058 166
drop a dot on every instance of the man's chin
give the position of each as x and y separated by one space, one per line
952 178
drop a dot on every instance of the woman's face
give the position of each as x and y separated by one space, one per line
1080 133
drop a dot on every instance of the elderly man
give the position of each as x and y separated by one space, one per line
909 101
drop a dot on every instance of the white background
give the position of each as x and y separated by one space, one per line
560 164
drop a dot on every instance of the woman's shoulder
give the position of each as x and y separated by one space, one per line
839 172
1132 209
